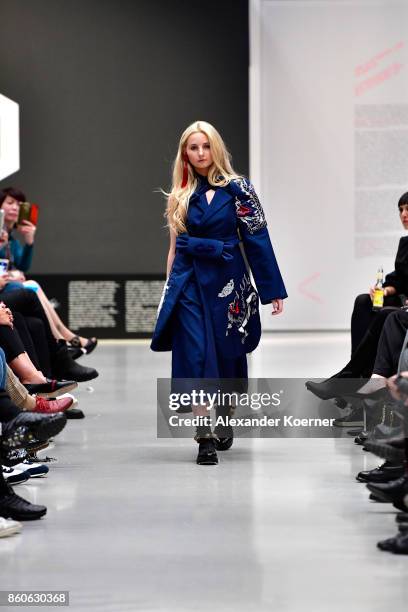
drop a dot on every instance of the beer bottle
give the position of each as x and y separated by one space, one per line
378 299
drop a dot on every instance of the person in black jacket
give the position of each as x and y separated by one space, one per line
367 325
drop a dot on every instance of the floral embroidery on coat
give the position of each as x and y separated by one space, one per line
163 296
250 210
243 306
228 289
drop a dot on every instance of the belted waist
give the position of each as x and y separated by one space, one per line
207 248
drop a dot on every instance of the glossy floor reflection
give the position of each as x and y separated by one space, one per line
134 524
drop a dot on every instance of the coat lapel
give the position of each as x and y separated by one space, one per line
220 199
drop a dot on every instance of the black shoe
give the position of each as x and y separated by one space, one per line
184 409
51 388
15 507
403 527
223 430
374 389
90 345
374 498
402 517
74 413
397 545
32 425
360 439
65 367
385 451
15 438
353 433
401 503
383 473
224 444
334 387
390 491
395 442
14 456
354 419
206 452
75 353
14 479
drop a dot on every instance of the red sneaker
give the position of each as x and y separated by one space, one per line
51 406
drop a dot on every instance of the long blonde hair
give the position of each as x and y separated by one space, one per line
219 174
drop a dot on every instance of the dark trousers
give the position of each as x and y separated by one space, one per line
35 329
3 485
11 342
8 410
363 316
33 335
364 356
28 335
391 343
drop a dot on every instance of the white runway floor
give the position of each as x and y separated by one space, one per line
133 524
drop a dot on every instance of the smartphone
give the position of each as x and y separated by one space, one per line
1 220
28 212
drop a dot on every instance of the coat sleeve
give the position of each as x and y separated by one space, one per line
257 244
22 255
393 279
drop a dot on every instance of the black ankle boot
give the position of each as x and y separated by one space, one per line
206 452
64 367
223 429
335 387
206 449
15 507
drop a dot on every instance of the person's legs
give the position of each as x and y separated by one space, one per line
52 316
15 507
63 366
3 484
363 316
8 410
363 358
21 325
17 392
3 369
361 364
37 332
25 370
27 303
16 356
188 354
188 360
58 328
390 344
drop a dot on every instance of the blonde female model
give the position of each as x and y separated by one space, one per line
209 313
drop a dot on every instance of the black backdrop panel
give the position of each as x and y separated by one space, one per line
105 88
105 305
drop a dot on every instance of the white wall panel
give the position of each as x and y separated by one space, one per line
329 112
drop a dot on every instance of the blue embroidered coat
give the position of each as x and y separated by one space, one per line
210 253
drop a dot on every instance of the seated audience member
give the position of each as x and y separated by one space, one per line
19 429
16 241
19 255
366 324
54 355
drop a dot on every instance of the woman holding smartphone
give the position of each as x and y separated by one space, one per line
17 239
19 253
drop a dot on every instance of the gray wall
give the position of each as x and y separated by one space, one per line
105 88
